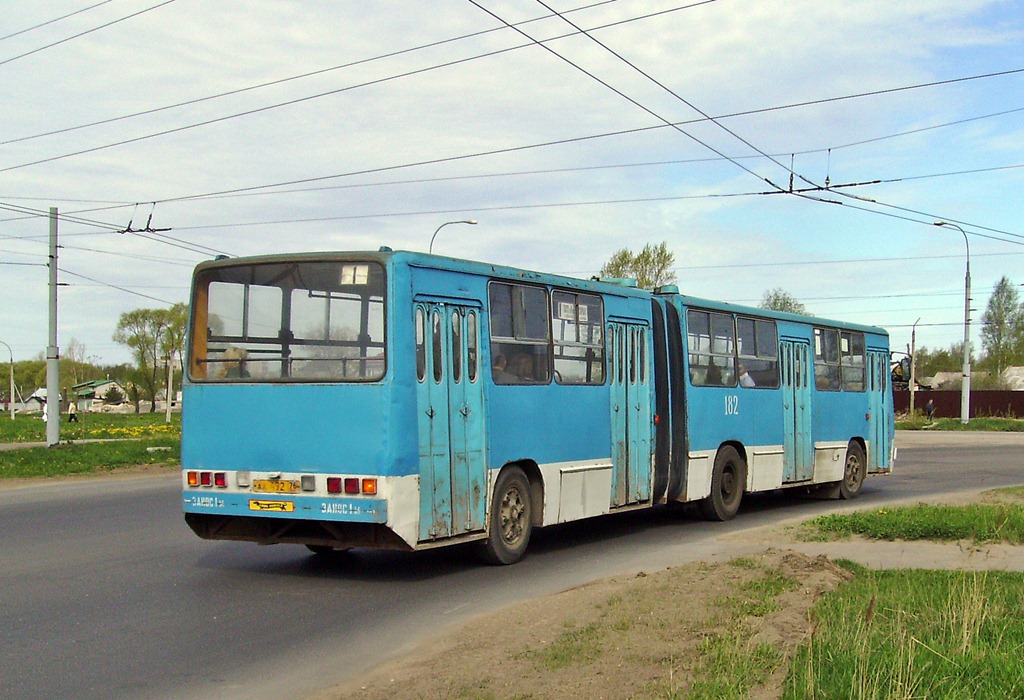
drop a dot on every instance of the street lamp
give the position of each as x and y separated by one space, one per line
965 387
11 402
472 222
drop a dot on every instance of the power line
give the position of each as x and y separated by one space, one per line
316 96
726 129
81 34
53 21
114 286
452 63
547 205
291 78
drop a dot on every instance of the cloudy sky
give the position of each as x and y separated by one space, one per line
259 126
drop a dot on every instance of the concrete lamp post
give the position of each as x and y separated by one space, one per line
471 222
965 387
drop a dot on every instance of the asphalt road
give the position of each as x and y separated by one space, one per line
105 593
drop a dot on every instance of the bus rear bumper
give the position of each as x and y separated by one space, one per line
276 530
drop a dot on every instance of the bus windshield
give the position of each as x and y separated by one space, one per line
289 321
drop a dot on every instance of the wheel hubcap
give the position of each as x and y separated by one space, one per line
728 483
852 470
513 511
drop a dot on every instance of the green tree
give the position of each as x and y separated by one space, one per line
931 362
779 299
154 335
173 341
113 397
651 267
1002 327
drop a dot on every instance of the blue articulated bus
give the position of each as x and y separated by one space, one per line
400 400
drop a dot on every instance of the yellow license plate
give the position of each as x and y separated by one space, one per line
275 486
272 506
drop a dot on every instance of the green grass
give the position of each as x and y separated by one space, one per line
989 423
29 428
978 523
129 436
915 634
578 645
82 458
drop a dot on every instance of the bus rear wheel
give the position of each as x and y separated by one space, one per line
853 472
728 479
510 520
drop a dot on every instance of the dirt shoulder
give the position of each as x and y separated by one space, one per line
614 638
646 634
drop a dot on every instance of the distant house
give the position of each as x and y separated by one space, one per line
1014 378
942 380
89 394
37 399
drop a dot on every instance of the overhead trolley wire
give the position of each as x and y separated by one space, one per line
327 93
735 135
291 78
55 20
81 34
114 286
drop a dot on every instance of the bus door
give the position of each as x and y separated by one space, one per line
878 408
630 380
795 357
450 408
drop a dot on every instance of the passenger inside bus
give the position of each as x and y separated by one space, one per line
522 367
233 366
499 370
746 381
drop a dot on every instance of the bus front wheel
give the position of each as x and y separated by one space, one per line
728 479
853 472
510 520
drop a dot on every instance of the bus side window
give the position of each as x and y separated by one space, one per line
758 349
520 347
711 341
472 354
421 344
438 352
852 366
826 359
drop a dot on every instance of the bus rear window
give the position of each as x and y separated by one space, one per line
289 321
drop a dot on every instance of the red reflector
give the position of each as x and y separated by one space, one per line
351 485
370 487
333 484
220 479
206 478
193 478
657 419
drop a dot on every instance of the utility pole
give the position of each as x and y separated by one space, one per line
913 365
52 351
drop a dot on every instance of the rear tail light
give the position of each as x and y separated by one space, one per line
351 485
206 478
220 480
